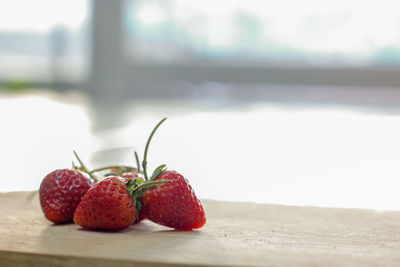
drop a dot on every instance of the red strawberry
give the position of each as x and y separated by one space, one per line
174 204
60 193
107 206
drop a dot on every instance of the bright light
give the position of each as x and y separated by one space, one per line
321 156
38 135
41 15
352 28
150 14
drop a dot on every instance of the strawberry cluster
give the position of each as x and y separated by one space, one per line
123 196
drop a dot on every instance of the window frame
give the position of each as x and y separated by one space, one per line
111 70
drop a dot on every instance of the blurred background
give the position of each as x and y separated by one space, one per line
282 102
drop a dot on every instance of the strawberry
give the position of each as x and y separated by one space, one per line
111 204
174 204
171 204
60 193
134 176
107 206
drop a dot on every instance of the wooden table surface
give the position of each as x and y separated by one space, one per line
236 234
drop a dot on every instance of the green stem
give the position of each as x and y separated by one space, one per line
128 168
160 169
144 163
84 168
150 184
137 162
80 161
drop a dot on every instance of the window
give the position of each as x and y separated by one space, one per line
265 33
43 40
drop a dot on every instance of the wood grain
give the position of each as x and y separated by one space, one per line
236 234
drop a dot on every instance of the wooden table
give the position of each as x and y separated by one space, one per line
236 234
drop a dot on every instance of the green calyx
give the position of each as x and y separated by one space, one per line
135 189
136 195
135 186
